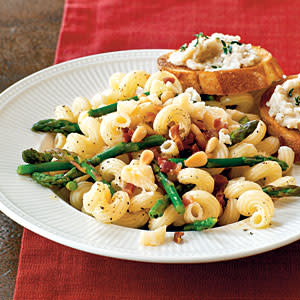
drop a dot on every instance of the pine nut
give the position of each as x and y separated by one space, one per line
139 133
146 157
149 129
198 159
211 145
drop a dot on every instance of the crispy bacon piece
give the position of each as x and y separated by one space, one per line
200 138
195 148
220 184
200 124
210 133
174 132
175 171
127 134
178 237
188 141
170 79
155 152
165 165
205 135
128 188
219 124
186 201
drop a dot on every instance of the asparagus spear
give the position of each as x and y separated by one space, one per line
282 191
98 112
243 131
159 207
244 120
161 204
81 165
235 161
44 167
57 126
76 161
151 141
170 189
32 156
201 225
58 180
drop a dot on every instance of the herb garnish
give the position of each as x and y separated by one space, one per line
230 49
214 67
183 47
224 47
297 100
236 42
200 35
290 92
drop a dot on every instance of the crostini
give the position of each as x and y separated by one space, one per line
221 65
280 110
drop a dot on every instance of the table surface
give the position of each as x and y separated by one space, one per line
28 37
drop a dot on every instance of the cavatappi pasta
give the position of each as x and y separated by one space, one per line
126 188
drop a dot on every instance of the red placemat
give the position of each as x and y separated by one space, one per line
48 270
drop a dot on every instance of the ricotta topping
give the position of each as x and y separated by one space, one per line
285 103
214 53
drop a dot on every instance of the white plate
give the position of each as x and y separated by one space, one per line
37 209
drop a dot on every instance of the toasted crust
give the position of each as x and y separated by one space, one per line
226 82
287 137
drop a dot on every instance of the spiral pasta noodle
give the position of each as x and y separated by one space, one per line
258 205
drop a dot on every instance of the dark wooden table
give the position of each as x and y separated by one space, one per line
28 37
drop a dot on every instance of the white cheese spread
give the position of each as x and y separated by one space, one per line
285 103
214 53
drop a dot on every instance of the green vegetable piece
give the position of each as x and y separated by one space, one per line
72 185
49 181
58 126
32 156
244 120
148 142
44 167
151 141
243 131
201 225
159 207
235 161
282 191
170 189
98 112
82 165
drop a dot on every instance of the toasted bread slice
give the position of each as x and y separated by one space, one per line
287 137
226 82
